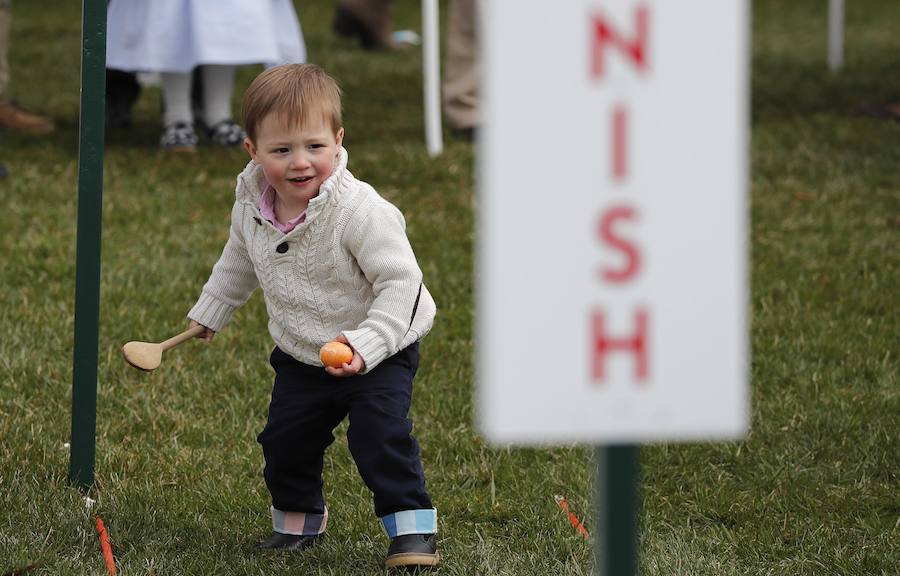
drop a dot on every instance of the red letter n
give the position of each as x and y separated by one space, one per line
603 344
603 34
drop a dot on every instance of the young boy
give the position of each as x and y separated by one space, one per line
334 263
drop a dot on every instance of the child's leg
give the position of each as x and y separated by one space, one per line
384 449
178 118
218 85
176 94
301 418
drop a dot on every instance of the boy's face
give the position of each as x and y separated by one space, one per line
296 160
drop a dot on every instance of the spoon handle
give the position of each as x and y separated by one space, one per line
186 335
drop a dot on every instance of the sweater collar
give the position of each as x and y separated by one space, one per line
336 183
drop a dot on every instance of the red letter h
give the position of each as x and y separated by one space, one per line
636 344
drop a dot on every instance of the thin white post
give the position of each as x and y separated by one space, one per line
431 41
835 34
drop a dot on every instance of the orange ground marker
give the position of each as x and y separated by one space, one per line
105 548
573 519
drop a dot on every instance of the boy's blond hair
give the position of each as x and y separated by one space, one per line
297 92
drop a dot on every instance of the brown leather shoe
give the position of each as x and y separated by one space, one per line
16 119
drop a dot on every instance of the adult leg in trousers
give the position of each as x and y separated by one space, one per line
368 20
12 116
122 92
460 83
5 17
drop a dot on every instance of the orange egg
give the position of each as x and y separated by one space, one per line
335 354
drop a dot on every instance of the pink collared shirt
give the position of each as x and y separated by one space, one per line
267 210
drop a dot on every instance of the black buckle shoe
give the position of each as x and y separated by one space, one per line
179 137
227 134
279 541
413 550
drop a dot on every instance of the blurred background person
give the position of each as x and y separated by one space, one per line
173 37
371 23
460 81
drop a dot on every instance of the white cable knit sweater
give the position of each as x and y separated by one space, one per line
348 268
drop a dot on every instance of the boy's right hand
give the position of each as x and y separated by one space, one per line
207 334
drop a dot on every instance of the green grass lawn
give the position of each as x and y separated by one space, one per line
814 488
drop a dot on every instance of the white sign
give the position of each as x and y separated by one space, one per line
612 265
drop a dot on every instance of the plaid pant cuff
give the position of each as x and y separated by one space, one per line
299 523
410 522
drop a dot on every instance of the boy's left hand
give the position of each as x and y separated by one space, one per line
356 363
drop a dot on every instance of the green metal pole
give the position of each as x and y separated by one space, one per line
87 264
618 503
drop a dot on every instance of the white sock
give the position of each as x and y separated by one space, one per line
218 85
176 93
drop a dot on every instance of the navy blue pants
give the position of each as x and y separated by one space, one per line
307 404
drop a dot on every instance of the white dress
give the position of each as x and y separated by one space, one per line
177 35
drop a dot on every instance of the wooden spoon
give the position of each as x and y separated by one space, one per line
147 356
